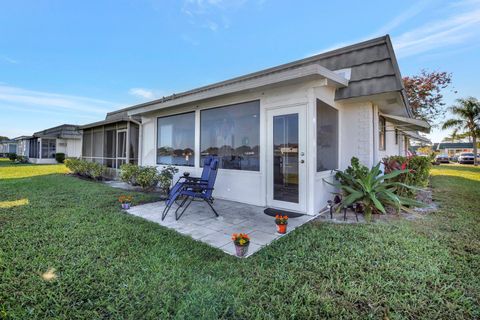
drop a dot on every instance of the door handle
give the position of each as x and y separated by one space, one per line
302 161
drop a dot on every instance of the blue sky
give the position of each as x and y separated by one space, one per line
72 61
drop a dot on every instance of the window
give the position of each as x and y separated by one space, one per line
48 148
233 134
381 133
327 137
176 140
396 136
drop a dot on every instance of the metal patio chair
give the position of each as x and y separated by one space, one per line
174 194
200 189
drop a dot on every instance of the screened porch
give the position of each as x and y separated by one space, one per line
111 144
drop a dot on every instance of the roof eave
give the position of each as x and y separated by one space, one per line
313 71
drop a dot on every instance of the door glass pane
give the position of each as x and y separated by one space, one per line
285 158
122 150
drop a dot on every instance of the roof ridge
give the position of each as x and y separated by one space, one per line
292 64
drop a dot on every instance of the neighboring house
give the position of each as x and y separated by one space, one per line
279 132
7 146
106 141
44 144
452 148
23 144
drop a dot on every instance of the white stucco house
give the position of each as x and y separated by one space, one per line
23 145
7 146
279 132
43 145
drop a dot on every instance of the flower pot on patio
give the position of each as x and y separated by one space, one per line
282 222
126 201
282 228
241 241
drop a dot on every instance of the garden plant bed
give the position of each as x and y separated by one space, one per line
67 250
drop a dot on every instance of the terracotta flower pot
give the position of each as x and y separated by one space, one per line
282 228
126 205
241 251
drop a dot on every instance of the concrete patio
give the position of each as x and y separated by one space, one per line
200 223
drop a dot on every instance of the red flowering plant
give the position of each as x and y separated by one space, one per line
241 239
279 219
125 199
417 175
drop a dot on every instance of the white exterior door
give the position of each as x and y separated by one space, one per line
286 156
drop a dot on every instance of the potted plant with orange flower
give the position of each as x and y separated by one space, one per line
282 222
126 201
241 241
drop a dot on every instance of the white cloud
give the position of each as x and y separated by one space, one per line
25 111
214 14
37 99
453 30
447 32
142 93
8 59
404 16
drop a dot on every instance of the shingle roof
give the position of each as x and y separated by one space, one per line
374 70
453 145
64 130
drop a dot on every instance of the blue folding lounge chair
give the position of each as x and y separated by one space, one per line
174 193
199 190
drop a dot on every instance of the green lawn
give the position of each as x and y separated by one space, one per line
67 251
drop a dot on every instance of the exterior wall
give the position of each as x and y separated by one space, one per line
243 186
71 147
42 161
358 136
391 148
23 148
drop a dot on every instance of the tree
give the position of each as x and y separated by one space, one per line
468 120
3 138
425 150
424 93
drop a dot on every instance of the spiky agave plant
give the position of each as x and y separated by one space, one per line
374 191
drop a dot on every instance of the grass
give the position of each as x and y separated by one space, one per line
68 252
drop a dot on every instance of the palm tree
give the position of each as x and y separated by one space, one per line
468 119
452 137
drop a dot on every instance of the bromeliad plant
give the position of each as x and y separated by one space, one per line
373 191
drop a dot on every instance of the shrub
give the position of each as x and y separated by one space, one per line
86 168
166 177
12 156
417 171
95 170
60 157
374 191
129 173
72 165
355 170
147 177
21 159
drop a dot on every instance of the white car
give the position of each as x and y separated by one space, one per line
466 157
